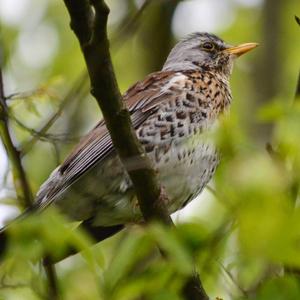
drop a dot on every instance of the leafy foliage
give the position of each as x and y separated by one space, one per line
243 238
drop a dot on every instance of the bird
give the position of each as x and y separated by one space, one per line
172 110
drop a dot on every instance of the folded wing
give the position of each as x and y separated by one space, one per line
142 100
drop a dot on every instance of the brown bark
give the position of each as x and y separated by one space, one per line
95 47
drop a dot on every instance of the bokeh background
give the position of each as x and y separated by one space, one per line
44 73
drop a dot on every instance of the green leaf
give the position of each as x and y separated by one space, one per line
285 288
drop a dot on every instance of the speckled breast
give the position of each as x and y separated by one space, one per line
185 169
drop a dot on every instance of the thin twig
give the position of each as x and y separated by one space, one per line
22 187
79 88
233 279
21 183
4 285
43 136
129 25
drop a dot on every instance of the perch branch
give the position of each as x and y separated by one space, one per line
22 187
95 48
105 89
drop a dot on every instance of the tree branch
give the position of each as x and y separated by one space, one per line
105 89
20 180
82 19
22 187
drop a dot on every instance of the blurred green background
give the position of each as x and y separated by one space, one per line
243 233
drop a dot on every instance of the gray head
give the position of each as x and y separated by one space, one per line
206 52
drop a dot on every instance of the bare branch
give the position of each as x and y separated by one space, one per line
20 181
82 20
129 25
105 89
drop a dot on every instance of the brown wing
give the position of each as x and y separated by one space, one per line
97 144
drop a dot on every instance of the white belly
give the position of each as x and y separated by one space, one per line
106 192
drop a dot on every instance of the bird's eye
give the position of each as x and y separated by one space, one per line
208 46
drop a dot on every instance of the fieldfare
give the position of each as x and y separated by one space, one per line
171 111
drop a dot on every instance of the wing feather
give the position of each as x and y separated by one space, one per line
97 144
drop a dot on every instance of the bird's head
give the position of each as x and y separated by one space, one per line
207 52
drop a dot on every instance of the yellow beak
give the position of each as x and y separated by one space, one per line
241 49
